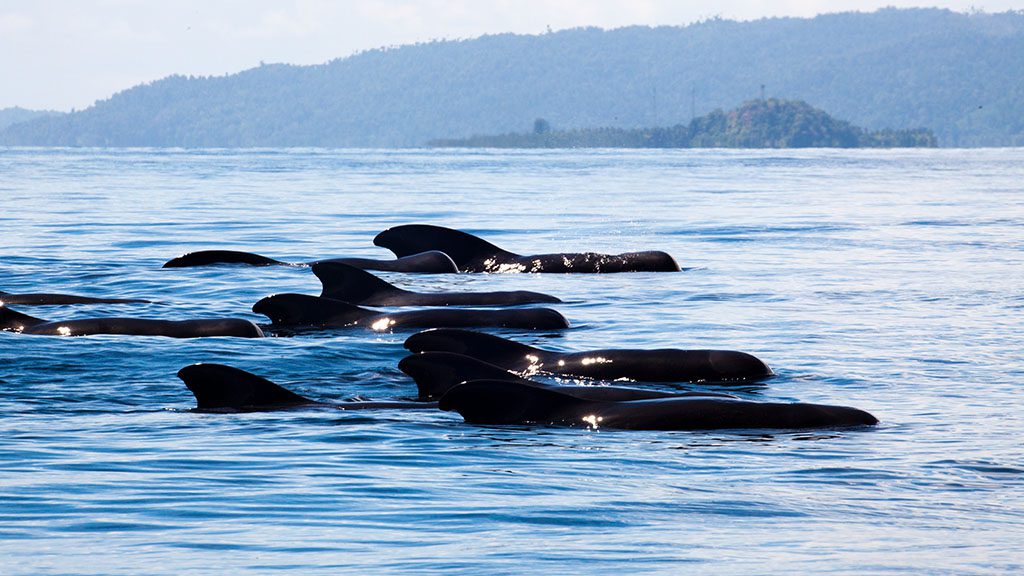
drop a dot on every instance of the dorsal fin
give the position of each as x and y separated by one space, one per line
349 284
430 262
304 310
492 349
207 257
16 321
460 246
220 387
437 372
508 402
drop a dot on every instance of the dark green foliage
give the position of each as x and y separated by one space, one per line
767 123
959 74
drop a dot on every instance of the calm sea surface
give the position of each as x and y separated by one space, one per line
888 280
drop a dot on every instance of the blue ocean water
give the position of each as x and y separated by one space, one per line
887 280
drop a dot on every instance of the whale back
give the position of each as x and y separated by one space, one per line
208 257
662 365
44 299
505 402
220 388
696 413
464 249
304 310
351 284
509 402
437 372
501 352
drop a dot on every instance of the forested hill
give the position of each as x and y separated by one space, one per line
958 74
14 115
762 123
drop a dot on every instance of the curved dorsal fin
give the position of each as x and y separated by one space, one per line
16 321
462 247
348 283
437 372
501 352
304 310
220 387
508 402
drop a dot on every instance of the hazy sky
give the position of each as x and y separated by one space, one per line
63 54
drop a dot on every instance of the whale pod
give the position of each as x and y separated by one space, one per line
506 402
435 373
356 286
300 310
427 262
220 388
18 322
664 365
473 254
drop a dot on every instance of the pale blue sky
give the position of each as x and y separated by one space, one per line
61 54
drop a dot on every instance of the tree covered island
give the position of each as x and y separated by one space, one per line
761 123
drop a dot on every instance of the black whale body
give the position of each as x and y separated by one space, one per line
435 373
13 321
506 402
300 310
356 286
427 262
220 388
665 365
473 254
44 299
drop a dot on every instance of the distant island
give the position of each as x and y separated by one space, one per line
762 123
958 74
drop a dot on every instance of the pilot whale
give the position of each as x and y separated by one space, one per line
220 388
507 402
43 299
356 286
435 373
665 365
473 254
300 310
13 321
427 262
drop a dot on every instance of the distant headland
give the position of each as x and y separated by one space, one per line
762 123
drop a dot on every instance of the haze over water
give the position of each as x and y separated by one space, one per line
889 280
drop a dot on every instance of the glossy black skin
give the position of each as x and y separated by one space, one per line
42 299
427 262
300 310
505 402
225 389
13 321
473 254
665 365
356 286
435 373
